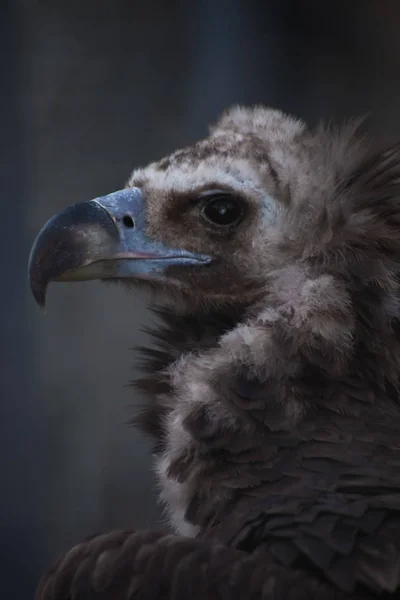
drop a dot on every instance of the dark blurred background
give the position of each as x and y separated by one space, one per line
90 89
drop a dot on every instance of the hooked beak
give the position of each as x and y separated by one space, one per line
102 239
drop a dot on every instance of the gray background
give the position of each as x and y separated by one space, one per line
90 89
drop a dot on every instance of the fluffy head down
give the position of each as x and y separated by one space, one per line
296 188
292 336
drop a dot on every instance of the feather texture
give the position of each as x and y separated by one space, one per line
126 565
272 389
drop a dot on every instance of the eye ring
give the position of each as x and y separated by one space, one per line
222 210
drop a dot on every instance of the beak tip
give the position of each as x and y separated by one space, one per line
38 290
42 304
40 301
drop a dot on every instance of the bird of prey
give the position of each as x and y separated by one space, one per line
272 389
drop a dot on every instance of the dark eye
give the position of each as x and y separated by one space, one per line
222 210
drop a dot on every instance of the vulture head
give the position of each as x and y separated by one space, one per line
276 372
204 224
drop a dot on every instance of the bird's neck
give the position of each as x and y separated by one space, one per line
174 341
207 460
175 337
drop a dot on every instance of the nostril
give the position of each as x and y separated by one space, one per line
128 222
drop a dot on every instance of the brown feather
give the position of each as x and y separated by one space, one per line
273 387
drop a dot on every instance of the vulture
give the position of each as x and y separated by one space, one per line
272 388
